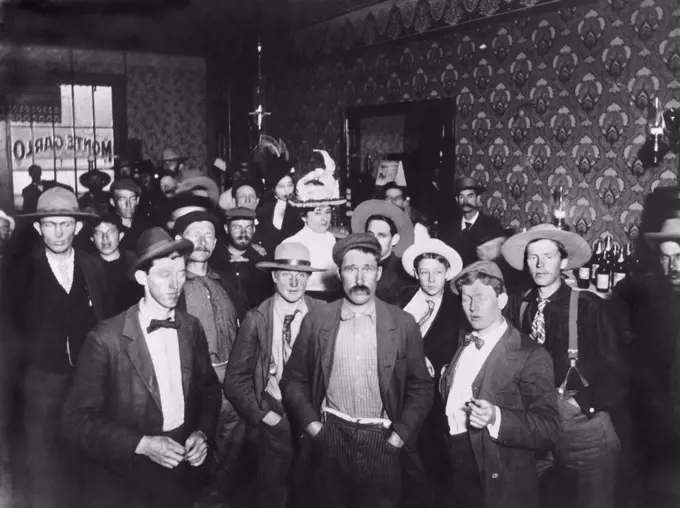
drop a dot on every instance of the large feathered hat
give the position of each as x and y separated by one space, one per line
318 187
274 160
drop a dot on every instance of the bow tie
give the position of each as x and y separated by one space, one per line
471 337
157 324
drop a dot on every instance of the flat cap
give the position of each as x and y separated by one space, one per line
486 267
239 212
355 241
125 184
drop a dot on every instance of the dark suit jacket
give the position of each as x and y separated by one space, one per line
466 242
518 378
267 235
393 280
248 369
405 384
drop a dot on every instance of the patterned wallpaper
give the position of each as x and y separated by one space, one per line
382 135
557 98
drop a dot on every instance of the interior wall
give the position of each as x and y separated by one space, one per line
557 98
381 135
166 98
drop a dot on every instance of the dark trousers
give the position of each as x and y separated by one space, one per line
355 466
467 490
587 451
275 457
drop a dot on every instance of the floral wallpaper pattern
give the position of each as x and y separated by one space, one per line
547 100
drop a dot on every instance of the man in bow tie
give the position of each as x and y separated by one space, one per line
145 397
259 355
500 402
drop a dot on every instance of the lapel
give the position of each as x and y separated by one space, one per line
328 335
497 365
139 355
83 262
186 351
443 313
387 341
266 308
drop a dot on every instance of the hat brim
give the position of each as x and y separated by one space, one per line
60 213
86 178
181 246
578 250
427 247
273 265
175 159
659 237
317 203
401 220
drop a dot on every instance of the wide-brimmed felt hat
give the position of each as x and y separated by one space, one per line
183 222
670 232
355 241
292 256
200 183
59 202
86 179
488 268
157 243
170 155
578 250
432 246
469 183
383 208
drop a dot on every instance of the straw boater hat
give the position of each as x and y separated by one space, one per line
292 256
86 179
432 246
670 232
469 183
318 187
59 202
578 250
372 207
156 243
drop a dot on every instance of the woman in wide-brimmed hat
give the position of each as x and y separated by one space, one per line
95 198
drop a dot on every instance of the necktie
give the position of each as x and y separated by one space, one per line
538 325
468 225
472 337
157 324
65 276
287 336
428 313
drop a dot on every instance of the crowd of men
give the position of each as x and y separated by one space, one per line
169 359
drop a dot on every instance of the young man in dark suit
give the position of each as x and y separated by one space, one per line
256 365
501 406
466 234
145 397
357 383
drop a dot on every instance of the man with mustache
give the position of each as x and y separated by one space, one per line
577 329
466 234
125 196
357 383
205 297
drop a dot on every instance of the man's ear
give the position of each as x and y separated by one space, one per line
36 226
113 203
502 300
563 264
395 239
140 277
79 226
379 272
121 234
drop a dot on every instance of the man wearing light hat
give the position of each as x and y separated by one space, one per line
258 358
357 384
59 294
589 370
145 398
464 235
394 231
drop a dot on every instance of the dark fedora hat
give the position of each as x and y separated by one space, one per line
469 183
86 179
156 243
58 202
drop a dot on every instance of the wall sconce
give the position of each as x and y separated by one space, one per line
663 137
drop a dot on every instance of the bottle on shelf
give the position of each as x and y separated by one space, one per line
619 269
631 259
583 274
596 259
603 274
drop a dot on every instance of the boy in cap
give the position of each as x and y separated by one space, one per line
145 397
257 363
579 333
357 383
125 195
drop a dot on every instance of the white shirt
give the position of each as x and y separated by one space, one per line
65 281
163 347
320 247
279 212
471 221
467 368
417 307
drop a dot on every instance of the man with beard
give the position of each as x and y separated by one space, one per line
650 302
238 259
145 398
394 231
466 235
125 196
205 298
256 365
357 383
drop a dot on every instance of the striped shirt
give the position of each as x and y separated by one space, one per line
354 388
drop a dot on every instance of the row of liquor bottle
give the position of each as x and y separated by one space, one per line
609 264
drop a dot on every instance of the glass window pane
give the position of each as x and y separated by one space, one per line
104 147
22 147
66 106
103 106
83 105
63 144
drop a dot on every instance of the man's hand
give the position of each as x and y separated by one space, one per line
272 419
196 448
314 428
482 413
395 440
162 450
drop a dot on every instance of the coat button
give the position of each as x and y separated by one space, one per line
494 476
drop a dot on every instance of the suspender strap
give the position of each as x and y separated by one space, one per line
523 308
572 350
